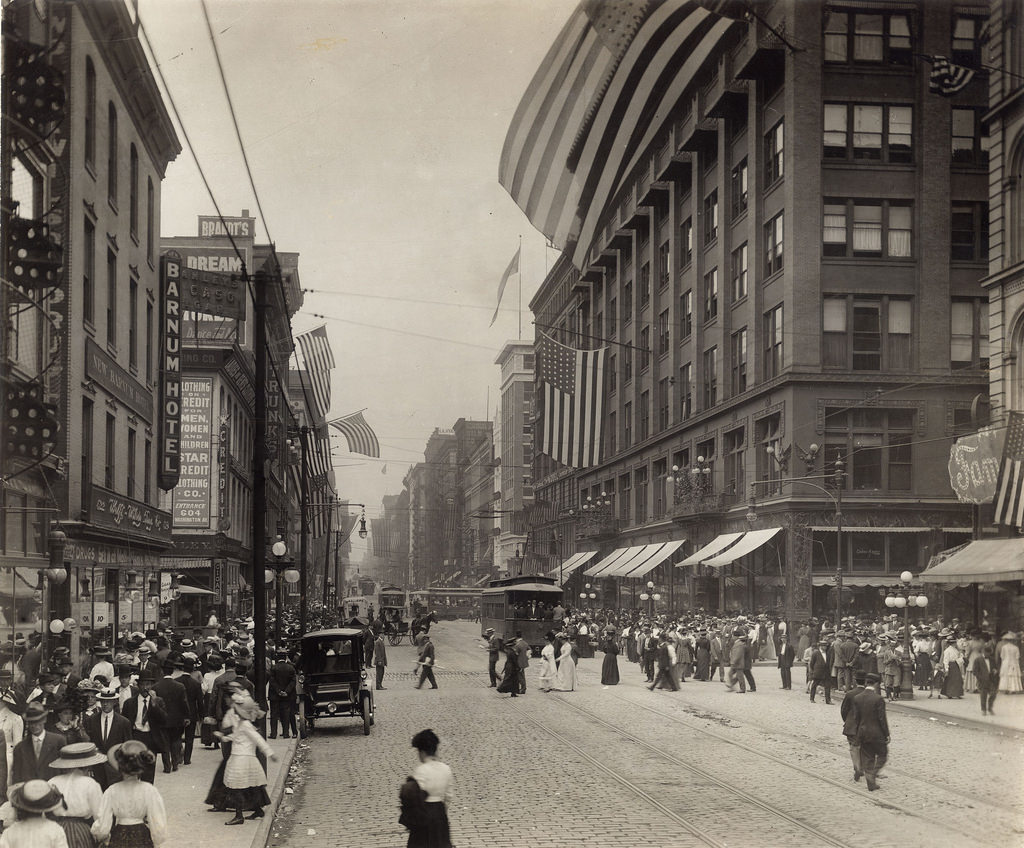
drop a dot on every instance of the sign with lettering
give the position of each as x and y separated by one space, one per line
218 260
117 512
974 465
212 293
192 494
211 226
100 368
80 552
169 448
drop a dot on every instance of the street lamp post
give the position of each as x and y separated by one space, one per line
588 593
651 597
904 597
281 568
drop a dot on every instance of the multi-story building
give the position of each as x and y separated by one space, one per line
514 448
81 218
786 274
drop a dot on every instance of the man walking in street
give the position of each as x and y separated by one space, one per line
737 658
717 660
872 730
494 648
664 666
986 673
380 658
820 671
281 694
786 656
426 661
846 657
176 715
522 660
849 717
749 652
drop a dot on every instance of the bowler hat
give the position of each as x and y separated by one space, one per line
871 677
78 755
149 674
35 796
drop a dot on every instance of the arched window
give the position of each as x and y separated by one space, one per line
112 155
90 113
1013 199
133 194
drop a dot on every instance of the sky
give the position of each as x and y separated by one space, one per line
373 130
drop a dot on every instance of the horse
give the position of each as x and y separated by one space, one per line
421 624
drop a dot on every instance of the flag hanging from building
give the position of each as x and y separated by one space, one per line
319 457
358 434
1010 485
513 268
946 78
573 395
318 361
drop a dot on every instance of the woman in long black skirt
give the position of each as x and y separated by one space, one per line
610 665
428 822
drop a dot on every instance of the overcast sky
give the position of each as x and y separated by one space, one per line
373 129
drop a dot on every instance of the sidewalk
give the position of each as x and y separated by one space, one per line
190 825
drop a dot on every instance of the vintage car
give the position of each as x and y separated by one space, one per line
333 681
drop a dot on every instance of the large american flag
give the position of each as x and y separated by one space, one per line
572 423
318 360
946 78
1010 485
358 434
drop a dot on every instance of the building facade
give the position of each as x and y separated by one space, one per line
514 448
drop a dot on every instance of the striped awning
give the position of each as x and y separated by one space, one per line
574 562
859 529
646 561
982 561
747 545
602 567
715 546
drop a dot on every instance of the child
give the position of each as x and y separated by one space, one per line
131 799
32 800
245 781
82 794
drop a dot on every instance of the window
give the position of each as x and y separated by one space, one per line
711 295
866 334
867 228
111 298
133 194
645 415
133 325
733 444
686 390
968 344
612 434
150 219
613 373
663 333
686 243
112 155
773 245
149 342
773 342
624 492
660 487
739 273
773 145
89 271
90 114
627 362
711 217
856 131
852 37
147 459
969 237
613 317
627 303
966 41
130 491
739 189
663 408
645 348
110 444
739 361
710 377
87 451
970 145
686 314
766 434
876 445
640 476
664 264
645 284
627 425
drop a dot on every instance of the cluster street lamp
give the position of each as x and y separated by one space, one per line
588 593
651 597
903 597
691 483
281 568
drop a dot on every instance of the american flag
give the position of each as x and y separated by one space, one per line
358 434
513 268
946 78
319 458
318 361
572 423
1010 485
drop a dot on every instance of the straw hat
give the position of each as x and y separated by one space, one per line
78 755
35 796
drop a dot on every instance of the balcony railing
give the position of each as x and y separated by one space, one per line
715 502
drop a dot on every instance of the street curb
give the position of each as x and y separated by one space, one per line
276 792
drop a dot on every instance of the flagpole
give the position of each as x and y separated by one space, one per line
520 311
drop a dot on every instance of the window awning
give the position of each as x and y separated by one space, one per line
982 561
715 546
648 559
861 529
570 565
601 568
748 544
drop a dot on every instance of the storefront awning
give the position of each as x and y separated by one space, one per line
747 545
195 590
860 529
577 560
602 567
983 561
651 557
715 546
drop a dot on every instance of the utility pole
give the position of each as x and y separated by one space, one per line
303 525
259 490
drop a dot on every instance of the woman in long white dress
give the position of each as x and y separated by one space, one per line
548 669
565 677
1009 664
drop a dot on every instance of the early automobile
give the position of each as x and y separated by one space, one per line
333 680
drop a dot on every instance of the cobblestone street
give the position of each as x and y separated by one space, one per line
626 767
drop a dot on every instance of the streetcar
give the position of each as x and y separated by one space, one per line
394 613
448 602
359 607
524 604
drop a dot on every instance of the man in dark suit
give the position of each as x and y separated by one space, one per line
426 662
786 657
194 696
850 723
872 730
664 674
145 710
39 748
281 686
986 673
106 729
821 670
177 715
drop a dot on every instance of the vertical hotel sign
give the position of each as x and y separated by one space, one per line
170 372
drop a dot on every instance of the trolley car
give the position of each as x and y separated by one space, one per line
394 612
522 604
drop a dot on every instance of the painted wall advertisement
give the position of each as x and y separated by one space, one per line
192 494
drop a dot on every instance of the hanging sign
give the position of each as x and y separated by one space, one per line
169 468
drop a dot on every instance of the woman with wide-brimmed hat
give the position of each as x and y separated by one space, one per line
245 781
82 793
1008 660
132 812
31 801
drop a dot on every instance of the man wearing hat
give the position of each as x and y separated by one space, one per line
146 660
849 717
281 683
872 730
146 712
787 655
494 649
189 678
176 713
820 670
106 729
39 748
